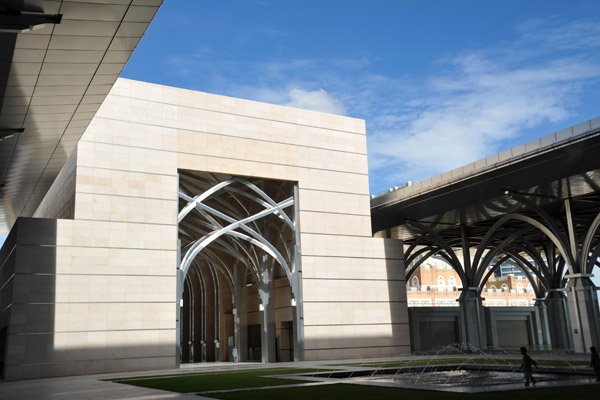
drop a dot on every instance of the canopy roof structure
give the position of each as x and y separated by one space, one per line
58 61
536 207
561 165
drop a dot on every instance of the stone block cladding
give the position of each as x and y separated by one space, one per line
112 268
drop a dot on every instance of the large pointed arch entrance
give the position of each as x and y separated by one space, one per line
239 270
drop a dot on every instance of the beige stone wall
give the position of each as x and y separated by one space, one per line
82 304
348 276
354 297
115 262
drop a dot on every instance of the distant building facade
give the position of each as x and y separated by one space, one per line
436 284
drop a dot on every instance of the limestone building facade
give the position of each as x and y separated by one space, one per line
96 281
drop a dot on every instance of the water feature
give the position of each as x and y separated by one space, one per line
465 377
456 369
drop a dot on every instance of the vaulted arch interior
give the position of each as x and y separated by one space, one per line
238 268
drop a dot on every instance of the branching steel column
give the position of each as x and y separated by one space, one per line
582 298
266 290
217 311
190 290
470 302
240 310
571 232
298 310
464 241
180 278
203 311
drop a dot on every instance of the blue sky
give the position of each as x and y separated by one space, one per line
440 83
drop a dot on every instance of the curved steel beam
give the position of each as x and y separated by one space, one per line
525 266
412 269
557 242
265 203
480 269
266 245
219 214
540 272
198 199
594 259
492 270
455 263
585 250
236 214
525 246
414 257
217 265
206 240
226 247
570 256
487 238
417 243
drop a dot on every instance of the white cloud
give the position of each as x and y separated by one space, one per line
317 100
472 110
579 34
418 126
484 99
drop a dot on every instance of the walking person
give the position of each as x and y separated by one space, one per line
526 366
595 362
234 353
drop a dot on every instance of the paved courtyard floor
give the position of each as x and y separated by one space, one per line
94 387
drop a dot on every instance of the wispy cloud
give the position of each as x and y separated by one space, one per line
555 34
483 98
471 110
419 127
317 100
294 82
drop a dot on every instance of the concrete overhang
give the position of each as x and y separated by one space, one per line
58 61
535 167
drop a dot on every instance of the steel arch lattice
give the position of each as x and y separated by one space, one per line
232 210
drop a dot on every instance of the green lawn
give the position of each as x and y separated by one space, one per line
240 379
200 382
352 392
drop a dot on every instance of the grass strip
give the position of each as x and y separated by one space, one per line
351 392
221 380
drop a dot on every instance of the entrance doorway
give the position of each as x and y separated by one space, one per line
239 269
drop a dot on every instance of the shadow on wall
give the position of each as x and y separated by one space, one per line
396 277
49 329
378 332
27 294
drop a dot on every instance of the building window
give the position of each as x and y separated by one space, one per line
441 281
415 281
451 281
